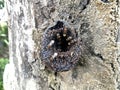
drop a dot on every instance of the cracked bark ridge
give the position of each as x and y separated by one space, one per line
60 47
83 4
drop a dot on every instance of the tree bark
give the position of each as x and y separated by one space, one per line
96 23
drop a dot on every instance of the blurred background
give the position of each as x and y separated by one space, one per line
4 52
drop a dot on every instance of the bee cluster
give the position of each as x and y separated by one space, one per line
60 48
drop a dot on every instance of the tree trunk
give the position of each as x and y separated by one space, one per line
97 26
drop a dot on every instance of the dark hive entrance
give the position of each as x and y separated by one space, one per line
62 37
60 48
61 42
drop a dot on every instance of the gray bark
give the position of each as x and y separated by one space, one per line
97 24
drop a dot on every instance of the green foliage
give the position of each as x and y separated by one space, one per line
4 33
3 62
1 4
3 39
3 46
3 50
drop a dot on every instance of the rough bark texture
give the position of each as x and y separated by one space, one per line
97 24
